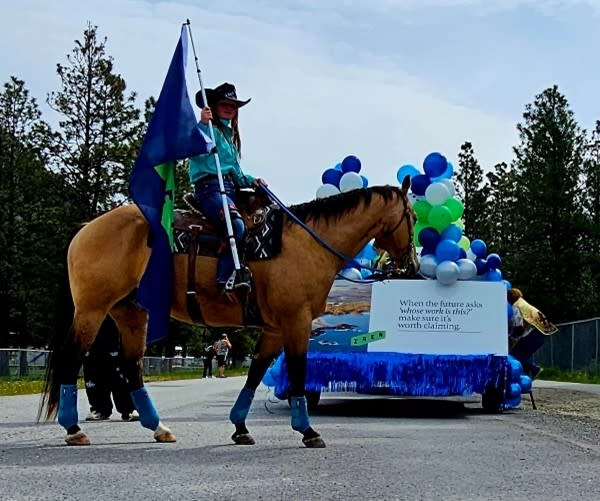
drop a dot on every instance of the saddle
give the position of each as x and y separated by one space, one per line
195 235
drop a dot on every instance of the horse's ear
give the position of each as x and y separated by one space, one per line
405 184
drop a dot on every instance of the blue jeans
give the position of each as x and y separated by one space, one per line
208 197
526 347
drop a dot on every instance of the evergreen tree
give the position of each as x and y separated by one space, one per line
34 203
548 207
100 126
472 191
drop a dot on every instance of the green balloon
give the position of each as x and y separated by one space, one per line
456 207
422 208
464 243
440 217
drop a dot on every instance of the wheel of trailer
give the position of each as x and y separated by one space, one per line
492 400
312 400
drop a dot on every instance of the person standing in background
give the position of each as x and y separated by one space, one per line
223 347
209 353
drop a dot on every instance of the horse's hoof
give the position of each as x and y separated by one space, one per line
165 437
79 438
314 443
243 439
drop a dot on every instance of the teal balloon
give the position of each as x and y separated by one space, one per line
406 170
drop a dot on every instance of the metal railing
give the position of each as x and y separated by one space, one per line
32 364
575 347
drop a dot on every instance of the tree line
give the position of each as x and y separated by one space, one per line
540 212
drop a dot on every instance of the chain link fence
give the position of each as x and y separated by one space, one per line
575 347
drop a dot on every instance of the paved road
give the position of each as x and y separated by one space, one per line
376 448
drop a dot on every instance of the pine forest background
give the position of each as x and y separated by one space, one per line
540 210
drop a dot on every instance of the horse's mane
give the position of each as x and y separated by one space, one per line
337 205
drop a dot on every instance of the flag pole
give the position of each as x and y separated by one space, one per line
232 243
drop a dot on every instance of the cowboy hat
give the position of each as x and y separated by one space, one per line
225 91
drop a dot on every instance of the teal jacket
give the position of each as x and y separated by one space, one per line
204 165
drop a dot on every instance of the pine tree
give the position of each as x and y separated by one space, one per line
34 203
548 206
99 129
472 191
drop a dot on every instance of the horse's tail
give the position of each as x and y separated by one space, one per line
61 344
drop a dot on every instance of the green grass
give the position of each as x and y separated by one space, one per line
10 385
586 377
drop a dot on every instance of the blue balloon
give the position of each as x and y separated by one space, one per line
368 252
516 369
427 250
332 176
406 170
493 275
507 284
419 184
435 164
481 266
493 261
429 238
525 383
268 379
452 232
350 164
514 390
447 174
463 254
447 250
479 248
338 166
365 181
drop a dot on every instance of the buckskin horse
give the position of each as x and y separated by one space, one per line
106 260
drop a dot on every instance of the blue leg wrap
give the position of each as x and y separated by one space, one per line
67 406
300 420
241 408
145 407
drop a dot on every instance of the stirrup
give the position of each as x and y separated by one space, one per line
237 281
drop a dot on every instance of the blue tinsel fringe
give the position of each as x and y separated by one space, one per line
395 373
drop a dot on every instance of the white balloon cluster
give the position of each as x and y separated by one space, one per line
341 178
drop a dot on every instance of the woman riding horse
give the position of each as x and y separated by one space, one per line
108 256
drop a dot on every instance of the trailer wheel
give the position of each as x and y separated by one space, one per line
492 400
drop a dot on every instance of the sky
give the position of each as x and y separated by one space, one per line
386 80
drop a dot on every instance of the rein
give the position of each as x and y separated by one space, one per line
378 275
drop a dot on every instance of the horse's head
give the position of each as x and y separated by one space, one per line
396 236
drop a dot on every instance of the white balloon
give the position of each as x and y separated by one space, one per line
448 183
437 193
413 199
327 190
350 181
427 265
471 255
351 273
466 269
447 272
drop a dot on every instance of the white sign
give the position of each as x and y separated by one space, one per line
423 316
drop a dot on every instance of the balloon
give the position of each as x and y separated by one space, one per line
456 207
507 284
422 208
448 184
338 166
514 390
413 199
525 383
466 269
419 184
447 272
350 181
435 164
463 254
436 194
493 275
479 248
416 232
327 190
460 223
331 176
365 181
493 261
268 379
351 273
447 250
481 266
516 369
428 237
368 252
364 273
427 265
452 232
465 243
447 174
406 170
439 217
351 164
427 250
